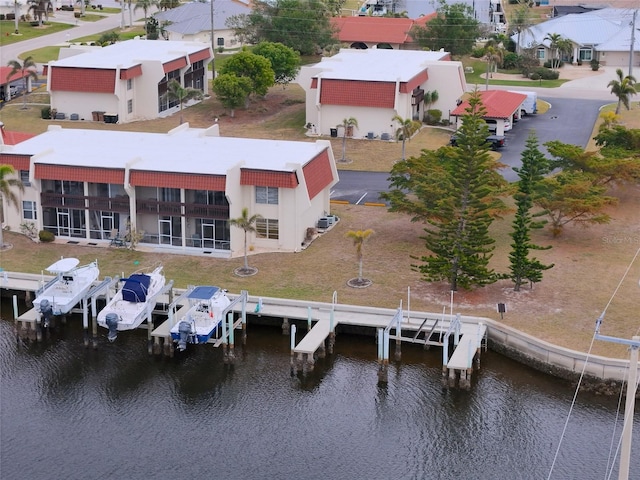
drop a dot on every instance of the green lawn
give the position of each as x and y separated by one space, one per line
27 32
480 67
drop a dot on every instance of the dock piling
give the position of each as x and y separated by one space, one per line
294 370
285 326
231 355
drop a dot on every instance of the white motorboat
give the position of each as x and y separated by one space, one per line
133 303
202 316
66 290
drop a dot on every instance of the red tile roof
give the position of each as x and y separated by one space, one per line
499 104
13 138
358 93
5 71
421 21
95 80
373 29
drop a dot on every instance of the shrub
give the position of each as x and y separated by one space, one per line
432 117
108 38
510 61
595 65
1 16
45 113
29 229
46 236
544 74
477 52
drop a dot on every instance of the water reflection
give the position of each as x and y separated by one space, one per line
118 412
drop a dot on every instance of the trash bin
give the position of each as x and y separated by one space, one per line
110 118
334 132
100 116
94 116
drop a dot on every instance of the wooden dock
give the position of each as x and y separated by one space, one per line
467 335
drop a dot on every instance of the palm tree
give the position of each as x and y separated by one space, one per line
493 56
622 88
182 94
16 16
7 194
246 223
146 5
347 123
555 40
430 98
359 237
28 70
406 130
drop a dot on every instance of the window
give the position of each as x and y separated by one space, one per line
129 84
585 54
29 210
129 106
540 53
268 195
220 41
24 178
267 228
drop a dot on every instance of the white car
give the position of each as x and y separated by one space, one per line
493 124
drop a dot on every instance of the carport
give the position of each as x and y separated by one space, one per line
501 106
6 83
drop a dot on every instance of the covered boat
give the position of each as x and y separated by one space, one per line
133 303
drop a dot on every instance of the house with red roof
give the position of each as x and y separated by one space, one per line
501 105
127 81
377 32
178 189
374 85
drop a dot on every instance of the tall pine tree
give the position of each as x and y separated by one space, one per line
534 166
459 220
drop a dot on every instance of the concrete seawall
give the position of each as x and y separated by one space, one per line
561 362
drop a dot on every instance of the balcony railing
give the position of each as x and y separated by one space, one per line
80 202
191 210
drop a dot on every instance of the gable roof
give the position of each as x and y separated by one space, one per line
498 103
376 29
8 137
195 17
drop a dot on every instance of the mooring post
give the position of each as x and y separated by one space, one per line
285 326
244 294
308 318
232 356
27 299
332 334
383 373
478 346
294 370
15 317
456 337
445 355
85 321
38 327
225 358
94 322
398 351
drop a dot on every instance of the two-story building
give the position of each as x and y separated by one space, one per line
176 190
126 81
374 85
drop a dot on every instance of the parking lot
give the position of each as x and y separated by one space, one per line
568 120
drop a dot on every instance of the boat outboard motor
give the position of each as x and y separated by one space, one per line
46 310
112 324
184 329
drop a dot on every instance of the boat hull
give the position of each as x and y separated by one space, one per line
131 314
68 289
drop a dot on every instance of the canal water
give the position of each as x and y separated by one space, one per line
68 412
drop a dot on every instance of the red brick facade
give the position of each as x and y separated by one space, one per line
94 80
267 178
132 72
79 174
174 64
18 162
189 181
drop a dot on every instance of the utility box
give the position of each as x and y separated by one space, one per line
334 132
323 222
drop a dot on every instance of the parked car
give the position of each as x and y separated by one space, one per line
493 124
496 141
530 105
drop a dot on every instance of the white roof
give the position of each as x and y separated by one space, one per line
375 64
183 150
195 17
590 28
130 53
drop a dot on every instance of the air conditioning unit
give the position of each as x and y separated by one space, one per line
323 222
